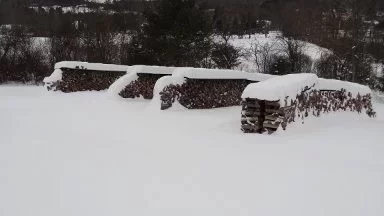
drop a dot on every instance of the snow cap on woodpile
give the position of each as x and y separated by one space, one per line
151 69
90 66
160 85
280 88
336 85
121 83
204 73
131 76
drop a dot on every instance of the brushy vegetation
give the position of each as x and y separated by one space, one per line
181 32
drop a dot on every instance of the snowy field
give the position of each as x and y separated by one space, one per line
89 154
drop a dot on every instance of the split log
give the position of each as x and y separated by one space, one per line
270 124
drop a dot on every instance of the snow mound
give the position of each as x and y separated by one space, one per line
57 75
160 85
121 83
281 87
90 66
334 85
203 73
151 69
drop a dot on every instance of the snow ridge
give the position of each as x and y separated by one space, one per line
90 66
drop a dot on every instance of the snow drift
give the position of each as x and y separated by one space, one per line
84 154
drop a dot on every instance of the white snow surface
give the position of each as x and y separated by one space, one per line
203 73
88 154
151 69
91 66
280 87
259 76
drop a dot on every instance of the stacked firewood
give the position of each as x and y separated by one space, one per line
75 80
317 102
252 115
259 116
142 87
204 93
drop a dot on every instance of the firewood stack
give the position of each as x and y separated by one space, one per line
142 87
75 80
259 116
317 102
204 93
252 115
275 115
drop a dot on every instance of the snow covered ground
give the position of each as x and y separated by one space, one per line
90 154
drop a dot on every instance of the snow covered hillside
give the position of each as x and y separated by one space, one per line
91 154
275 46
80 9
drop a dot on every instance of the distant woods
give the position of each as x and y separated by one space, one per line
47 19
180 33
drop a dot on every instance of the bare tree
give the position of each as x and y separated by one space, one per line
20 60
262 55
293 50
225 55
66 48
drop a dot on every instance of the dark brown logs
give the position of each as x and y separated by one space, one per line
75 80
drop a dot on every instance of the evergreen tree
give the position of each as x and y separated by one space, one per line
175 33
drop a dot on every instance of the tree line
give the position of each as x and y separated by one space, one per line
180 33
